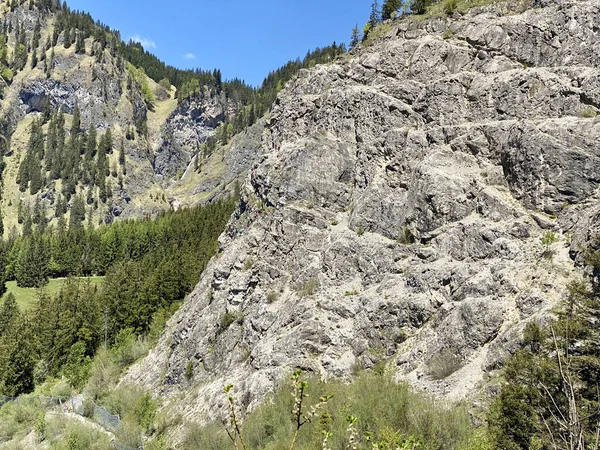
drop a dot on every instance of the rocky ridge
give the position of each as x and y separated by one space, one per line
395 211
101 86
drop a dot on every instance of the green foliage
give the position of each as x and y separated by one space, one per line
228 319
139 77
356 37
248 264
145 411
420 6
551 394
189 371
149 265
390 8
588 113
40 426
360 229
406 236
7 75
375 16
309 287
272 297
548 239
383 415
77 365
450 7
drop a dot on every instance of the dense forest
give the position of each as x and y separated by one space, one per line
148 264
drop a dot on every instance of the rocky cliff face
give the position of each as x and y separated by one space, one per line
189 126
102 86
396 210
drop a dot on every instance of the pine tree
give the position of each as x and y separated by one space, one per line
37 180
61 206
17 358
67 38
76 123
37 35
375 16
8 312
390 8
355 38
32 264
80 44
77 213
122 154
420 6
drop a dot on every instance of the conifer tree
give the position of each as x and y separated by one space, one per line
80 44
8 312
61 206
32 264
390 8
67 38
122 154
37 35
17 358
355 38
77 213
375 16
420 6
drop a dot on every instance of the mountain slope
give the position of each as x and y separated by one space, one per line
397 208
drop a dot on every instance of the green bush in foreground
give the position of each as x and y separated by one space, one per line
372 413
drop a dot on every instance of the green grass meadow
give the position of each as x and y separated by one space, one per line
26 297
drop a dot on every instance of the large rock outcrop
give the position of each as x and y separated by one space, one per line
396 209
186 129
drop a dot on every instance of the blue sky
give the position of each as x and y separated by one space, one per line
245 39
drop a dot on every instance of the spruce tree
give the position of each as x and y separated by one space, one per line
122 154
375 16
420 6
355 38
9 310
80 44
390 8
67 38
77 213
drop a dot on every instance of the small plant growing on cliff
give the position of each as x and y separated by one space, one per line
229 318
406 236
309 287
360 229
548 239
189 371
272 297
248 264
450 7
588 113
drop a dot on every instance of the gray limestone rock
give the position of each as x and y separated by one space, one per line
396 208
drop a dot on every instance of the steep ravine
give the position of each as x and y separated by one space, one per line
396 210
